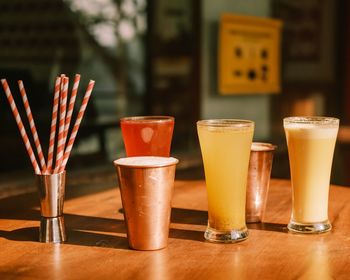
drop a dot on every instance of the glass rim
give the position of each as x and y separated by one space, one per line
148 119
318 120
226 123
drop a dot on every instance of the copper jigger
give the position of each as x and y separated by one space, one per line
259 173
51 192
146 186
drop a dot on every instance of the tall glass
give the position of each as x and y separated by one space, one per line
311 142
147 135
225 146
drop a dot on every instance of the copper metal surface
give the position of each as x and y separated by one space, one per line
51 192
146 193
259 174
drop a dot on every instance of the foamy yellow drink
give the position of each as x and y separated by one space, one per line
225 147
311 142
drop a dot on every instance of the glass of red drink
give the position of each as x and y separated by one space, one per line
147 135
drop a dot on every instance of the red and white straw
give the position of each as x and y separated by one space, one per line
53 124
77 124
61 139
71 105
20 126
32 125
62 76
59 112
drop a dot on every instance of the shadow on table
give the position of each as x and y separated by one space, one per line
22 234
79 222
186 234
74 221
23 206
75 237
268 227
80 229
189 216
83 238
76 226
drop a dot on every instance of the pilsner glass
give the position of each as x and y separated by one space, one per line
225 146
311 142
147 135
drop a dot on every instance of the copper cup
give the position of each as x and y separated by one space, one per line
146 187
259 174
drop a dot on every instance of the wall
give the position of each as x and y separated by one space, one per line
213 105
323 70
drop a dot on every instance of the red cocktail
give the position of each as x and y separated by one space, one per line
147 135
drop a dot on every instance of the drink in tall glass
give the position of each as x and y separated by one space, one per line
147 135
311 142
225 146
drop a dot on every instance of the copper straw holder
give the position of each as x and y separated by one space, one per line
146 192
259 174
51 192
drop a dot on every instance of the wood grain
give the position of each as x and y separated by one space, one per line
97 247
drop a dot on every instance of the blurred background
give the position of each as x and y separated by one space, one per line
164 57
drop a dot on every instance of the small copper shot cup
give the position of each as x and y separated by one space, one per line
259 174
146 187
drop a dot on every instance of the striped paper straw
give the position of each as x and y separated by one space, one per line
62 120
20 125
71 106
56 98
32 125
77 124
62 76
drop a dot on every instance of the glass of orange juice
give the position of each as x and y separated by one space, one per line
147 135
225 146
311 142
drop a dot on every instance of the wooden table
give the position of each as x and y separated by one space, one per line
98 248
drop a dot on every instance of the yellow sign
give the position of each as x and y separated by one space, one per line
249 55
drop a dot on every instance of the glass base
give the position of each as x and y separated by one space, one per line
230 236
309 228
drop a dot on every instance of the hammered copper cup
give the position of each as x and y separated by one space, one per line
146 187
259 173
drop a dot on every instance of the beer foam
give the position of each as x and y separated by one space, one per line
231 129
146 161
311 130
224 125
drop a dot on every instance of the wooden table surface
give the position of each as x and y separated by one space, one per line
97 247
